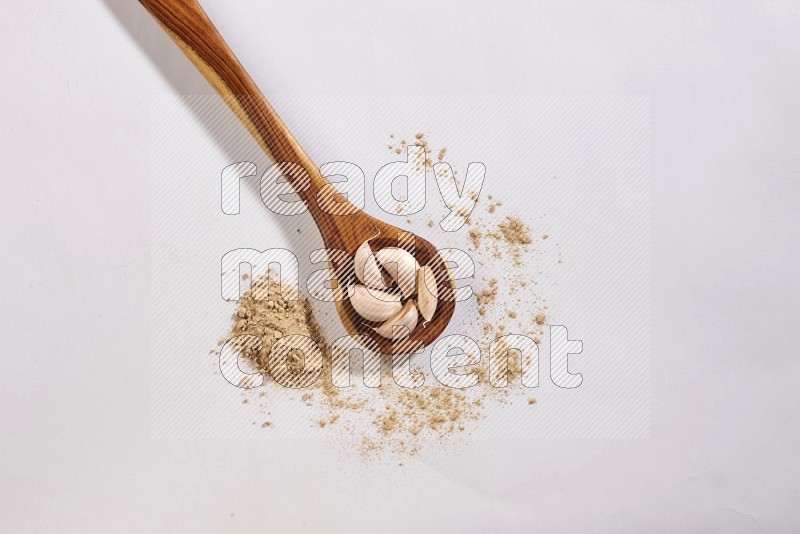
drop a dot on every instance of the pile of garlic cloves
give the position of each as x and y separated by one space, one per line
394 290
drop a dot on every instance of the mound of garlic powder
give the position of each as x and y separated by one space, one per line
410 282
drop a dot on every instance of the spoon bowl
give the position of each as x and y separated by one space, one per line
425 332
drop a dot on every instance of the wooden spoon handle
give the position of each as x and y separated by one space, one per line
189 26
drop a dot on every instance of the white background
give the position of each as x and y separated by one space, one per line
76 452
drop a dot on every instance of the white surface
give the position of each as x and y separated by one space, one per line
75 446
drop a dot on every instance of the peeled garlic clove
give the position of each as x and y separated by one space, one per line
427 292
405 320
366 266
375 305
401 266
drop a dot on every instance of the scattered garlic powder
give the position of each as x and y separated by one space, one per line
399 419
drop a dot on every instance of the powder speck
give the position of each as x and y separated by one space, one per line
475 236
514 231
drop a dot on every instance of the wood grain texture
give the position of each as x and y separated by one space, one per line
191 29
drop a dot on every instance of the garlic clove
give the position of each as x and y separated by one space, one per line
427 292
366 266
401 266
405 320
374 304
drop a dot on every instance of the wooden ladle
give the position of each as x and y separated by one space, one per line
189 26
